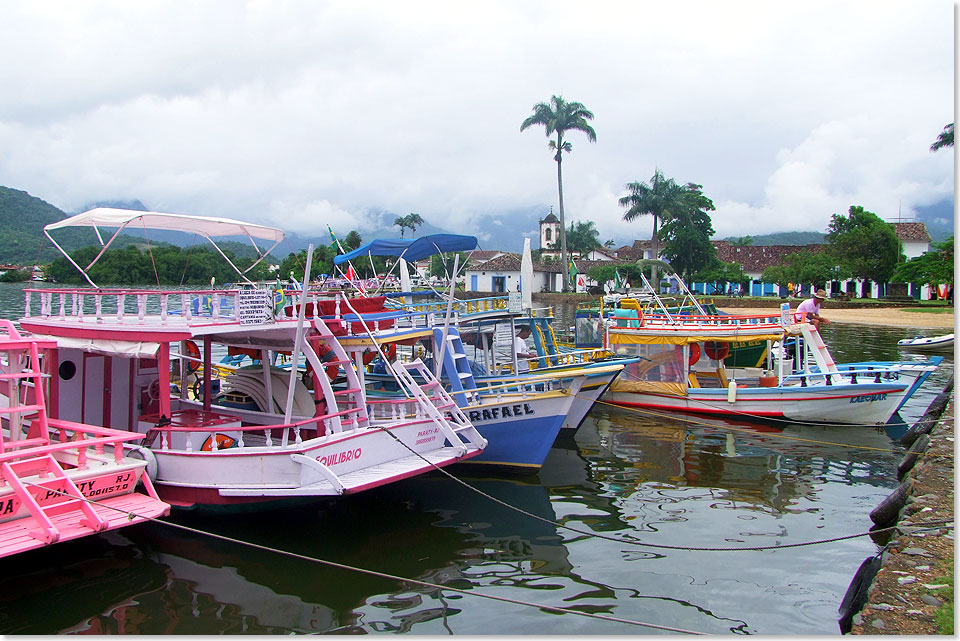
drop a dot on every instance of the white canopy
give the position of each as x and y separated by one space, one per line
205 226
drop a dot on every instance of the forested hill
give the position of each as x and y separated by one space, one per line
23 217
785 238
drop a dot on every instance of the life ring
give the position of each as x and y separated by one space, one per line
223 442
194 352
716 350
694 353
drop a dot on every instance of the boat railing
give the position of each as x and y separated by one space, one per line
853 375
68 436
654 319
118 304
203 437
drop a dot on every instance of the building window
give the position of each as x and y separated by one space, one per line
547 234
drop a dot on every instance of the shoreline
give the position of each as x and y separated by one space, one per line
892 316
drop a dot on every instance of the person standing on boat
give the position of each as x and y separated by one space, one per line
809 310
521 348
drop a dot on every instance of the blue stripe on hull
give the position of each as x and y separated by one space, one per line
521 443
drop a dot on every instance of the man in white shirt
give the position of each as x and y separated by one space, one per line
809 310
521 348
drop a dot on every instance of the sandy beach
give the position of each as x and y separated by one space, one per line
880 316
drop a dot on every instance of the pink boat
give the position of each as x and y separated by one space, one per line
59 480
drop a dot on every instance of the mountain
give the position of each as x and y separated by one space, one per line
784 238
22 219
939 220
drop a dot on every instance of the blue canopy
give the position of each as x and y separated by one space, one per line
413 249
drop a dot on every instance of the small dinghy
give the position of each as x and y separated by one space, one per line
928 343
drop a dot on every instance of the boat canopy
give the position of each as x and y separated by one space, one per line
412 249
206 226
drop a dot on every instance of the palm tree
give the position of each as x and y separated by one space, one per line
561 116
657 199
413 221
402 223
945 139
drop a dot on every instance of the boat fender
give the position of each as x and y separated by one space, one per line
856 595
889 509
928 420
732 392
910 458
145 454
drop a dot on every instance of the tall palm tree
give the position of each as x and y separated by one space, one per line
561 116
413 221
401 223
656 199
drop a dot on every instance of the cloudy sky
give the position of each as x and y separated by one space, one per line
308 113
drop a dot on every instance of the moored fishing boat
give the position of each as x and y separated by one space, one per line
59 480
683 369
116 349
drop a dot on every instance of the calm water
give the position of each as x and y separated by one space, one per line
628 477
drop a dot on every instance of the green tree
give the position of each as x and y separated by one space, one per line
743 241
560 117
720 273
687 229
863 245
582 237
352 240
413 221
945 139
932 267
803 266
658 199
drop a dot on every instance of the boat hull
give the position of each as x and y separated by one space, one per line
850 404
519 432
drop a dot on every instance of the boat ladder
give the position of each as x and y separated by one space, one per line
818 349
436 402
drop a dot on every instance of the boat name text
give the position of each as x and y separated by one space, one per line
507 411
340 457
869 398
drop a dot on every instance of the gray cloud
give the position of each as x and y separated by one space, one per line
304 114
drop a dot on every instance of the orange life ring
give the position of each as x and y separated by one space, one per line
694 353
223 442
716 350
194 352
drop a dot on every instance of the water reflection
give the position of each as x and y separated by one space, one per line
667 482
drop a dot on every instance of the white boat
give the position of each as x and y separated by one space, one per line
59 480
937 344
682 369
112 367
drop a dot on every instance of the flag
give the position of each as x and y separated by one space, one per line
351 275
573 270
618 283
333 237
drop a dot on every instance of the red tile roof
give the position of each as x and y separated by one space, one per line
911 231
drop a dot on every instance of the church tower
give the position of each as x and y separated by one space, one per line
550 234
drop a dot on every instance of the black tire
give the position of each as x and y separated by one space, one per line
889 509
912 455
856 595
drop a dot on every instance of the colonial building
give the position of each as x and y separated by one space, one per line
913 237
502 274
550 235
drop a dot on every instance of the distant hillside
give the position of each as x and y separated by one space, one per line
22 219
785 238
